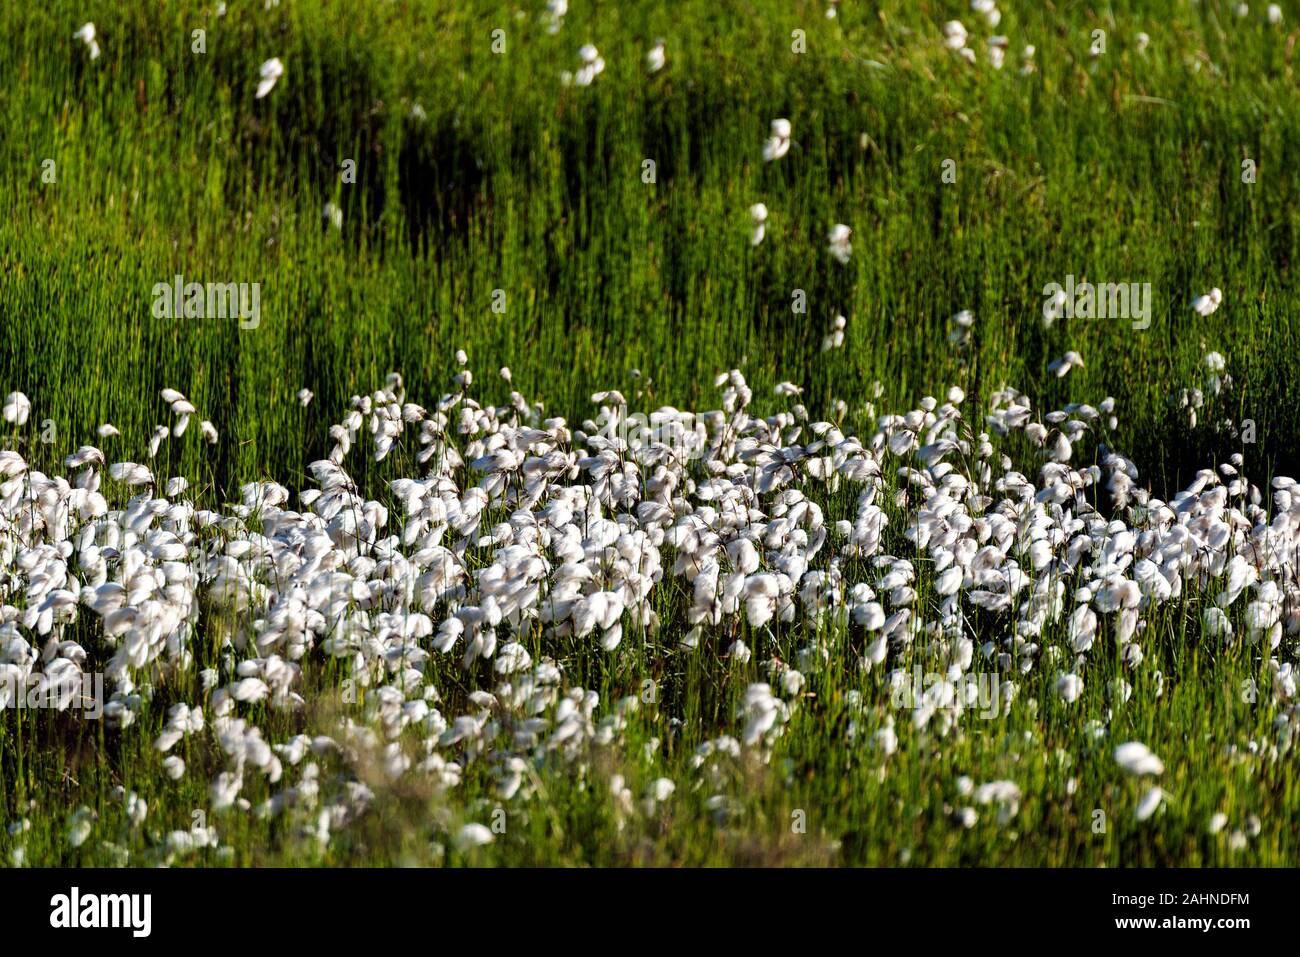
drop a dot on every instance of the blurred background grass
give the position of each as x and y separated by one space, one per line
1122 167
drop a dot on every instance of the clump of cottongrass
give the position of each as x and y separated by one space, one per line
160 433
1217 381
472 836
657 792
17 407
1061 367
80 824
182 408
86 34
130 473
998 51
835 338
1206 304
839 244
1149 803
954 35
1069 687
988 9
758 223
959 328
657 57
268 74
1137 759
1004 794
735 517
555 11
954 38
761 711
778 143
592 64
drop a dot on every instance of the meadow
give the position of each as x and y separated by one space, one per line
421 192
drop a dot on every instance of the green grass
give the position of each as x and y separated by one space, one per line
1126 167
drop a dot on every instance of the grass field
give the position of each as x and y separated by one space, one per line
490 207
